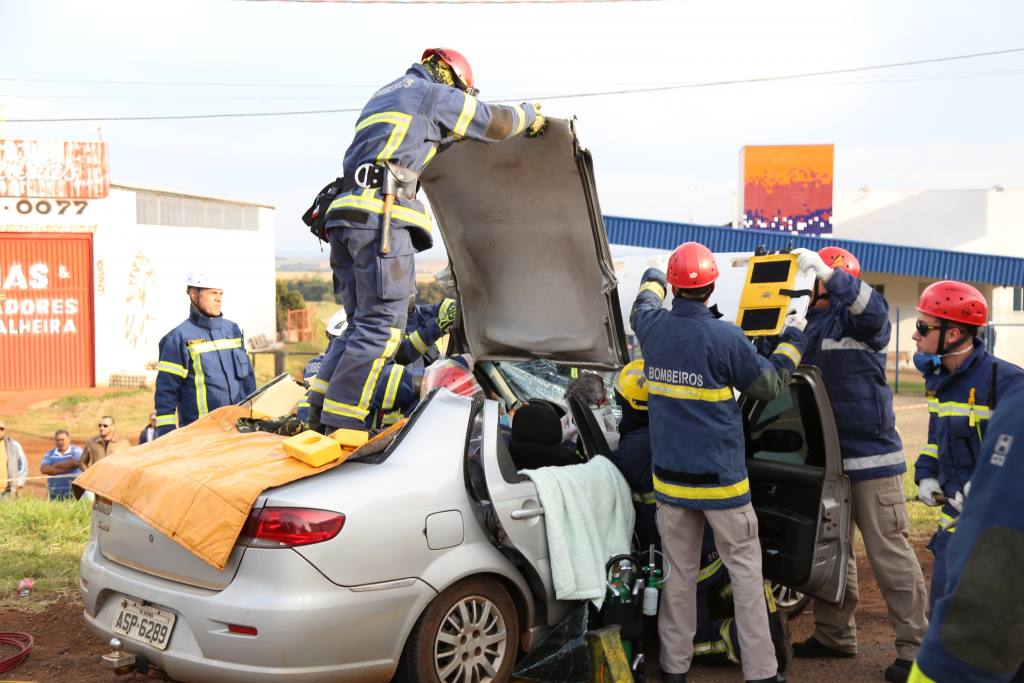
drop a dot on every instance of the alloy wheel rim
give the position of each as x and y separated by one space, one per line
470 643
786 597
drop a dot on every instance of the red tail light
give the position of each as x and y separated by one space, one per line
242 630
272 527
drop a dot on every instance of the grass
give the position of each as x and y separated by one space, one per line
42 540
79 413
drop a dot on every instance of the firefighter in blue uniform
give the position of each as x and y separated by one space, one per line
976 633
848 332
963 382
396 382
203 364
375 224
692 363
336 326
633 456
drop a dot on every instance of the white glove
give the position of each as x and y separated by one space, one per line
796 320
960 498
927 489
808 261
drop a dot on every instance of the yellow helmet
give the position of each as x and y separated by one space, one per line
631 383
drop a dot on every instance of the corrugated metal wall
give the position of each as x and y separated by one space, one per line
874 257
46 325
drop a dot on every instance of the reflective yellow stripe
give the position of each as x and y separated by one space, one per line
702 492
652 286
303 403
200 379
789 351
688 393
933 404
955 409
399 120
391 418
368 202
466 117
714 647
417 342
429 157
520 118
730 649
946 522
394 379
216 345
318 385
918 676
172 368
166 420
344 410
931 450
644 498
709 571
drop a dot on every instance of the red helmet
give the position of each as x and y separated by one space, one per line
954 301
837 257
458 63
691 265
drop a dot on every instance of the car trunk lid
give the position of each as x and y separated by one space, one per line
128 540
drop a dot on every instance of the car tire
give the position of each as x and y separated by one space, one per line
470 632
790 602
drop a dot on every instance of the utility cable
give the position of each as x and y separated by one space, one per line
601 93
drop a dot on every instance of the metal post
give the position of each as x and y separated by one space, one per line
279 356
897 349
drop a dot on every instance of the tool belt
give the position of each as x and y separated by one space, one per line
389 176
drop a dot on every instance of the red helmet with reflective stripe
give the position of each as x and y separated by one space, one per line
691 265
954 301
837 257
459 64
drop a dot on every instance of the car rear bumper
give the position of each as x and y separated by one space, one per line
308 628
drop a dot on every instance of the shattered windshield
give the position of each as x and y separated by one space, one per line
544 380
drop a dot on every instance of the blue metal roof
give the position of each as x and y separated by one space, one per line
874 257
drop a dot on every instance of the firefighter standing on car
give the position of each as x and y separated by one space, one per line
692 363
203 364
375 223
975 635
964 383
848 332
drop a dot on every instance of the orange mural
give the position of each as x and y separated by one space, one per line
788 188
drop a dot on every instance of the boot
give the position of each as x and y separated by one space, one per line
898 671
813 649
777 678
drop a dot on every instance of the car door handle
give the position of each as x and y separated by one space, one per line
768 489
527 513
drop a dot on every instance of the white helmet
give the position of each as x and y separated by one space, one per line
199 278
337 324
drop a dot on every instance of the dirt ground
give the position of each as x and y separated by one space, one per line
66 651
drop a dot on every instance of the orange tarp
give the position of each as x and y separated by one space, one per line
197 484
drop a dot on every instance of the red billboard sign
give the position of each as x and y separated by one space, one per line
54 169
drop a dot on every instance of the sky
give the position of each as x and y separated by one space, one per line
671 155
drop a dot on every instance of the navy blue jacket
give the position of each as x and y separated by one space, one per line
975 630
203 366
693 361
847 341
956 423
405 122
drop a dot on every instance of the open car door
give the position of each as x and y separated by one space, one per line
798 489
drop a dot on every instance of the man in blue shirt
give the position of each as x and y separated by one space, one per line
62 464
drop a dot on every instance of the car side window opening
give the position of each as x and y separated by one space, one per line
787 429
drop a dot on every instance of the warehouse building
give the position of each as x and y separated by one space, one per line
92 275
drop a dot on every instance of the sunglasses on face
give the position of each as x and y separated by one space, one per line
924 328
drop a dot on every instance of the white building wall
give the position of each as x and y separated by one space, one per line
139 281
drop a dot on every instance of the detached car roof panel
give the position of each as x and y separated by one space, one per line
528 248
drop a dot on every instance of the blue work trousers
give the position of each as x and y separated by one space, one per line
938 545
375 292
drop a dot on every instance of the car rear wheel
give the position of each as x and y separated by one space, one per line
467 634
791 602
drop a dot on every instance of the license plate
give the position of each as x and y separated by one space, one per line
144 623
